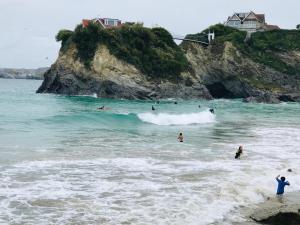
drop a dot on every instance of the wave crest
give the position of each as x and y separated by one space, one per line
177 119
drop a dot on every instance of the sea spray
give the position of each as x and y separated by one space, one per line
177 119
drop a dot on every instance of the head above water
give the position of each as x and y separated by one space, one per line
282 178
180 134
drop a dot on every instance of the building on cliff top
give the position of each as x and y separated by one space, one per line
103 22
250 22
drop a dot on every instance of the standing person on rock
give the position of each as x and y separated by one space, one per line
281 184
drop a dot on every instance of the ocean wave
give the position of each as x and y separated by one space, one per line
177 119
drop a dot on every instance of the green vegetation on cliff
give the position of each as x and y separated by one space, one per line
262 47
152 51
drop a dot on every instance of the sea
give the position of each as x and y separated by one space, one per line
63 161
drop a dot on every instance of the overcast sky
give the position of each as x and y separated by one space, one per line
27 36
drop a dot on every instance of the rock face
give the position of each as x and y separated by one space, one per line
217 71
276 211
110 77
227 73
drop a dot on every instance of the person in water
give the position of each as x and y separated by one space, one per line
102 107
180 137
281 184
153 108
239 152
212 110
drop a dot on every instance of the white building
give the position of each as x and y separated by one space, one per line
250 22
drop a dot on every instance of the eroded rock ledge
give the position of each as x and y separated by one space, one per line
277 212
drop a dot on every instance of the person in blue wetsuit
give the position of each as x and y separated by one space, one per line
281 185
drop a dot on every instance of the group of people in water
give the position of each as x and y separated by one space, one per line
211 110
280 180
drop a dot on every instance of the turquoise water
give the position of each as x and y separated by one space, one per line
65 162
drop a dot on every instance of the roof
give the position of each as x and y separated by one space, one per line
260 17
109 19
272 27
85 22
243 16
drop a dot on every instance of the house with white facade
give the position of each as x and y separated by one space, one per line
103 22
249 22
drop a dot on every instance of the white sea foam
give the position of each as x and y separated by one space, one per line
177 119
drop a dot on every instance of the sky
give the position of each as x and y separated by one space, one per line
27 35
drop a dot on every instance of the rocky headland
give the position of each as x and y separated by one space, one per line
134 62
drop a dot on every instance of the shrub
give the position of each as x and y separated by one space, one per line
153 51
63 36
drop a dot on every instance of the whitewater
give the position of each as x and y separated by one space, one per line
65 162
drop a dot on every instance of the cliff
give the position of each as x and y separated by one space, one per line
131 62
264 68
134 62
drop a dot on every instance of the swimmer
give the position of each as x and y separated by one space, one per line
239 152
153 108
175 103
103 108
180 137
212 110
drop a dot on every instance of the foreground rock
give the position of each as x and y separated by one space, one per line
276 212
35 74
110 77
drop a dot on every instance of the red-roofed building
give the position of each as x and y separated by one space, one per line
250 22
103 22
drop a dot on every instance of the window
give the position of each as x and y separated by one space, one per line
111 22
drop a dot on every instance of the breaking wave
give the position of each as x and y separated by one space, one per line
177 119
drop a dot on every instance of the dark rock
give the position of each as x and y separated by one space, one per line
275 211
263 98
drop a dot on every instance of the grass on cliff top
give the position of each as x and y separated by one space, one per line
262 47
152 51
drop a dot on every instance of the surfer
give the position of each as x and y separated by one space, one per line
212 110
153 108
103 108
239 152
180 137
281 185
